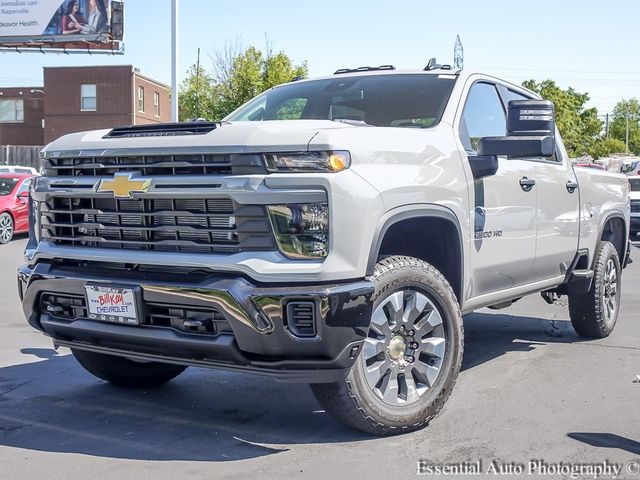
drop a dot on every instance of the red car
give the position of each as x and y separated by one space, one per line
14 204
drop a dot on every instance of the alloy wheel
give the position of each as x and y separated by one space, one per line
610 290
6 228
405 348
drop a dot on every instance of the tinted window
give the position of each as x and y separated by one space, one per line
635 184
402 100
7 185
483 116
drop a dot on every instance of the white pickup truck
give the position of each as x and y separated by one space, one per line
330 231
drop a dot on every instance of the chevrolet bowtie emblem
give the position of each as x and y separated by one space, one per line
123 187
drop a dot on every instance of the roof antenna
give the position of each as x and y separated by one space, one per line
432 65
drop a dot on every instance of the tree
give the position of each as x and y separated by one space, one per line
237 77
580 127
618 125
604 147
198 95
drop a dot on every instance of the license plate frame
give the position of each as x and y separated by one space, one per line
114 303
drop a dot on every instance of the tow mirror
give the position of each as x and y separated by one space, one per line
531 130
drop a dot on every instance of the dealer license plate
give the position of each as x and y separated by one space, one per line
112 304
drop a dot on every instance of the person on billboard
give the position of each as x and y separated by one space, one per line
73 20
95 19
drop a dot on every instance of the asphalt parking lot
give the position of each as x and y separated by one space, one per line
529 389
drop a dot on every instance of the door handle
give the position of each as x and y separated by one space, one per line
527 183
571 186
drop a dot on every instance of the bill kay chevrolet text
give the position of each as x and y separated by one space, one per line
330 231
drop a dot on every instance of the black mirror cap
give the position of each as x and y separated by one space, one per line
531 118
518 146
483 166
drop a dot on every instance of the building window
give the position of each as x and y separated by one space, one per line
88 97
156 103
141 99
12 111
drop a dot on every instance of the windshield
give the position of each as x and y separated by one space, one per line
7 185
406 100
635 184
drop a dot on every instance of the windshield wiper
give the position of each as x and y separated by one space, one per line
349 121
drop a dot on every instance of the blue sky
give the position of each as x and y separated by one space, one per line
593 46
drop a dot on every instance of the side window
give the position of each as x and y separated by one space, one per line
24 187
483 116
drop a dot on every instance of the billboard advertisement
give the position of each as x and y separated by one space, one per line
67 24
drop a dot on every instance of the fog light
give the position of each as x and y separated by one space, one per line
301 231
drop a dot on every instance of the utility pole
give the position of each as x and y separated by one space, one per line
198 86
174 60
627 132
606 125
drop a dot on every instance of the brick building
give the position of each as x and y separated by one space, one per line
21 116
87 98
75 99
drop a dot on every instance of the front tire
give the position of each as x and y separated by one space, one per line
127 373
6 228
594 314
411 356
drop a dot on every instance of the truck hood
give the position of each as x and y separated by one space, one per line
230 137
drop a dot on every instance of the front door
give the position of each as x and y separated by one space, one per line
504 209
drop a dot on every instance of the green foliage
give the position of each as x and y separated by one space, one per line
198 95
603 147
241 77
618 124
580 127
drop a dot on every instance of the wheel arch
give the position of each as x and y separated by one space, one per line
444 251
614 230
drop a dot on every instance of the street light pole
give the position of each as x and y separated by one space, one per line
174 60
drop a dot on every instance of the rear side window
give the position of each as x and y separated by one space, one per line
483 116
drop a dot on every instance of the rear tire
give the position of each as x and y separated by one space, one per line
411 356
6 228
127 373
594 314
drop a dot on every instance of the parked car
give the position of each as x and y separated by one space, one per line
597 166
17 169
634 230
14 204
331 231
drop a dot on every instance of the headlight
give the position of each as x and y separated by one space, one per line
308 161
302 231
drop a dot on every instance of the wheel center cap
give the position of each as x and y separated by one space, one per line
397 347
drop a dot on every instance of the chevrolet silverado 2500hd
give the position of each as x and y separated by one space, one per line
330 231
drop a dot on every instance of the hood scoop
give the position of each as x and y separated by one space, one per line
163 129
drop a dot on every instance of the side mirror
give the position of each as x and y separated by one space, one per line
24 194
531 131
483 166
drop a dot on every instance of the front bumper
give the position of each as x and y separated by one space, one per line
258 339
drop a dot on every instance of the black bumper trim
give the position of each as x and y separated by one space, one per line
344 312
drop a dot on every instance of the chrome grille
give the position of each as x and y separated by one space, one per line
147 165
635 206
194 225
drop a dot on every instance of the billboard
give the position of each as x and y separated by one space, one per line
62 25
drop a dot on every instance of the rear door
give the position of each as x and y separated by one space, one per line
504 209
